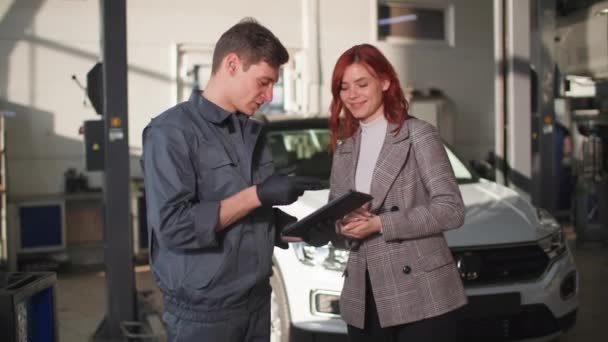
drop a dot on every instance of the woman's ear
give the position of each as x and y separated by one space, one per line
385 84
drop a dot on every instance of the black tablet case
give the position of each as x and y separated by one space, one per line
332 211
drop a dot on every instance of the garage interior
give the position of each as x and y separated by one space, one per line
541 130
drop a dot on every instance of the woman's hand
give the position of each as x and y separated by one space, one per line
360 229
359 224
357 215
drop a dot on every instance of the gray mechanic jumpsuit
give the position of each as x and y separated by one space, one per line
215 286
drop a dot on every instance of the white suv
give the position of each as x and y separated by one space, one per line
517 269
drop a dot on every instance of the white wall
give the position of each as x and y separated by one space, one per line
156 26
42 43
463 72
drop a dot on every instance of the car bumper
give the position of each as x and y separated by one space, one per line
540 302
547 306
303 283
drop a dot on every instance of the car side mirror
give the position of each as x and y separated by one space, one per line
483 169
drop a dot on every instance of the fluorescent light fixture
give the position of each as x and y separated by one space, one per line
399 19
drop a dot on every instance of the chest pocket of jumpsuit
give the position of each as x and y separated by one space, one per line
219 175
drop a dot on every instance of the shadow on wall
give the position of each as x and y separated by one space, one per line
34 152
18 18
37 157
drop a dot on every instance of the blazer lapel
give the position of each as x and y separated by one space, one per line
392 157
349 149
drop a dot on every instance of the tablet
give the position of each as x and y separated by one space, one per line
334 210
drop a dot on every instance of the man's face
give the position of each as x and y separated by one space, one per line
252 88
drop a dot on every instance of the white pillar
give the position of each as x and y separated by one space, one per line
513 100
311 76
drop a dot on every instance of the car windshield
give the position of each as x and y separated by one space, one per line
306 149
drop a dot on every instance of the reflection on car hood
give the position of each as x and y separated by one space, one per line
307 203
495 215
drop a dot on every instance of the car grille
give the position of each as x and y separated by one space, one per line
500 265
532 321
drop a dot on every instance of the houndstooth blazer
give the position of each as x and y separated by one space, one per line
410 266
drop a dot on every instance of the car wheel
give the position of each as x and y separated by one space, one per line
280 322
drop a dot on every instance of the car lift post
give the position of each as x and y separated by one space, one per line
118 237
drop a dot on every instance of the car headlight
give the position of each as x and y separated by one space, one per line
553 243
327 256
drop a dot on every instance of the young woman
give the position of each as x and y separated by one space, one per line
401 283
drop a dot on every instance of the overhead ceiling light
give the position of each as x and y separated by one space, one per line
603 11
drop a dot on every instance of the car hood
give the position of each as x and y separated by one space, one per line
307 203
495 215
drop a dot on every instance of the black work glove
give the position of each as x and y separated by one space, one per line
282 189
321 233
281 220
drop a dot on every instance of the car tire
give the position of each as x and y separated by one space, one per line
280 322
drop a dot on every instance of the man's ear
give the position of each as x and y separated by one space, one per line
232 63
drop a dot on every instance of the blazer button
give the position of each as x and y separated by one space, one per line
407 270
394 208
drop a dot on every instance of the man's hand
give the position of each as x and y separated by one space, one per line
282 220
282 189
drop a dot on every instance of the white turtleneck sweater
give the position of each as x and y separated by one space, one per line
372 138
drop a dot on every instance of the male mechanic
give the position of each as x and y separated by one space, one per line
210 186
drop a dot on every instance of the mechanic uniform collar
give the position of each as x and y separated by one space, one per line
238 135
209 110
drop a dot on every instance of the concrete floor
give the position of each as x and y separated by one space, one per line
81 301
81 298
592 321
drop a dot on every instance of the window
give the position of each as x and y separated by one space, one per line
400 21
194 69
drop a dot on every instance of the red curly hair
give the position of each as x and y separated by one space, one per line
395 104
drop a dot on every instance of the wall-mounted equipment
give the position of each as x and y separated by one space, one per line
94 144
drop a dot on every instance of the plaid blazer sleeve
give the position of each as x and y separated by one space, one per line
445 209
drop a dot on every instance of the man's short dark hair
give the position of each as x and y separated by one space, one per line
252 42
